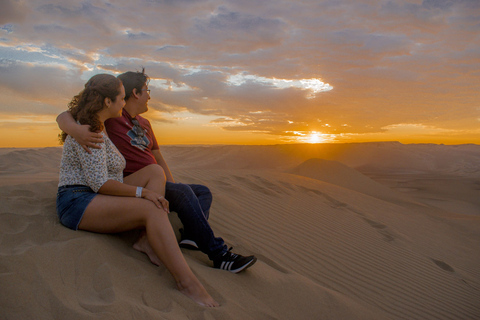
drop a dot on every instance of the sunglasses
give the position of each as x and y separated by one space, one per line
137 128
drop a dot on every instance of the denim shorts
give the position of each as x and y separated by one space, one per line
72 201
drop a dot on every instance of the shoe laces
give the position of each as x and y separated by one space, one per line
229 255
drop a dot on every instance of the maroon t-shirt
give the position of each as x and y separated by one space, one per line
137 150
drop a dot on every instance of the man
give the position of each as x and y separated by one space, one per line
133 136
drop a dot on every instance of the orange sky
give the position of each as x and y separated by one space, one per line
250 72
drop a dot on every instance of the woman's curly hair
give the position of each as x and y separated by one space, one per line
85 106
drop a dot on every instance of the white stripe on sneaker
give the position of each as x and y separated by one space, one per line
226 265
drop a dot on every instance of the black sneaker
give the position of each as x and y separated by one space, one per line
233 262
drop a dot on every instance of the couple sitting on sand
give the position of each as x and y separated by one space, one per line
113 178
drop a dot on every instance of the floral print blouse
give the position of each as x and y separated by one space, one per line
93 170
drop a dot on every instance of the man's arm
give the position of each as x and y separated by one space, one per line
161 161
81 133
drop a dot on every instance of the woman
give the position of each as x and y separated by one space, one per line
93 196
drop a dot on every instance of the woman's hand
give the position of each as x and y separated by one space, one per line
156 198
86 138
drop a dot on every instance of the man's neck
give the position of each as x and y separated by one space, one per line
131 109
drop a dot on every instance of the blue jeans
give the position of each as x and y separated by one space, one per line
192 204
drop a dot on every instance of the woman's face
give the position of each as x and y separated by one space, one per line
117 106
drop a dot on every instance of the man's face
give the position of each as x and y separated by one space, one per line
144 96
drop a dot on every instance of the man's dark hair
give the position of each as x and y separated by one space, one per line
133 80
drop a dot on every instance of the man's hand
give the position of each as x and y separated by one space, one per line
86 138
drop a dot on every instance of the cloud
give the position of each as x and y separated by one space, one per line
238 32
254 65
12 12
25 89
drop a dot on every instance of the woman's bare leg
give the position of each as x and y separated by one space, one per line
150 177
109 214
144 246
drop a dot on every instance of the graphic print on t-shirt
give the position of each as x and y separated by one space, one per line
139 142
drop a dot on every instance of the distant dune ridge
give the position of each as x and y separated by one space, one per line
341 175
341 231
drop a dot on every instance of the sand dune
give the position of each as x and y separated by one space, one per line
341 175
388 157
332 243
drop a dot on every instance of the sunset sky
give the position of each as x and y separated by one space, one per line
251 72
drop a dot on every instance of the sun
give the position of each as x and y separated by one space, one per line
314 137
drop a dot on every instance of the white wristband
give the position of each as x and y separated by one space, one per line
139 192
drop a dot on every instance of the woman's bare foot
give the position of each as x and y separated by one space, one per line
195 291
143 245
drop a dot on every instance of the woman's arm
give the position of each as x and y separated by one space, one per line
116 188
81 133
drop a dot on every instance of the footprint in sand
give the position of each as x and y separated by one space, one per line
334 203
99 292
376 225
102 283
382 229
11 223
270 185
287 185
308 190
442 265
254 186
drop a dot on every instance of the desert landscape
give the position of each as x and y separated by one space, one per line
341 231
